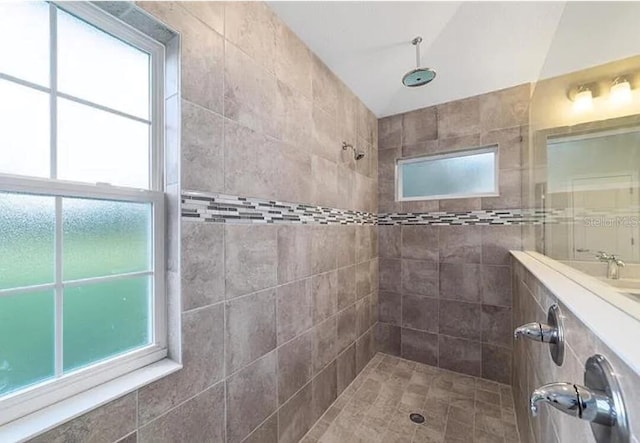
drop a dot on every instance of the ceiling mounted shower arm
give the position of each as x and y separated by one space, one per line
416 42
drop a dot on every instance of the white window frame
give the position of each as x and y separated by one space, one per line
33 398
454 154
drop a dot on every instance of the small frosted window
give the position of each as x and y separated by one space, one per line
458 175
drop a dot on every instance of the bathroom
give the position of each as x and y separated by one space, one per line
319 222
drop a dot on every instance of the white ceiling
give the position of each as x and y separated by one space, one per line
475 47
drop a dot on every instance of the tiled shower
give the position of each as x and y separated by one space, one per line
312 304
445 274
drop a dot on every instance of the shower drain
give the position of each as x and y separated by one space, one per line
416 418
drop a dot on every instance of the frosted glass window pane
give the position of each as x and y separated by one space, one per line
96 146
27 229
24 33
26 339
24 130
97 67
105 319
466 175
105 237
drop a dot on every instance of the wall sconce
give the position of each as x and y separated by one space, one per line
620 92
583 99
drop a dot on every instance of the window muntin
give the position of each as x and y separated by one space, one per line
95 286
461 174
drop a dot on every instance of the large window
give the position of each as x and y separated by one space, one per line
458 174
81 202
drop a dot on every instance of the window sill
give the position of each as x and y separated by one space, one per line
52 416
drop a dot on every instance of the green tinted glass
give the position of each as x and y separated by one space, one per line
103 237
26 339
105 319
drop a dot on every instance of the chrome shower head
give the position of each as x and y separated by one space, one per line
419 76
357 154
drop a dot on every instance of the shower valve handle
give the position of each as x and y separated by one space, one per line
551 332
537 332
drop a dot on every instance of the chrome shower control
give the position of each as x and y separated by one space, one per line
574 400
552 332
537 332
599 402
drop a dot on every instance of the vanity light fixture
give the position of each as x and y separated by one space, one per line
620 92
583 99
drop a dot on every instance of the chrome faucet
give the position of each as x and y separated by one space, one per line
613 264
575 400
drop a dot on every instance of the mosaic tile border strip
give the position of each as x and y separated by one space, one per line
221 208
463 218
624 217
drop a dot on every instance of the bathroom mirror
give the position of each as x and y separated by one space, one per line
591 203
592 195
581 178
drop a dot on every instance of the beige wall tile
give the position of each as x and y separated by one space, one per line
324 86
211 13
296 416
419 126
294 366
199 419
251 397
249 92
251 258
202 147
202 360
295 309
251 26
460 117
250 329
293 61
202 264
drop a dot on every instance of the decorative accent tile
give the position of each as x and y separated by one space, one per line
463 218
222 208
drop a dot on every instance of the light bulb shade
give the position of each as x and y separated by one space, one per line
583 100
620 92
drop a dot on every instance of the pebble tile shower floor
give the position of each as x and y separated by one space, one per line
457 408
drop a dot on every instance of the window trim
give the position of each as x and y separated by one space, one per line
494 148
23 402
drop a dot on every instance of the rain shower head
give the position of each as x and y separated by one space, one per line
419 76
